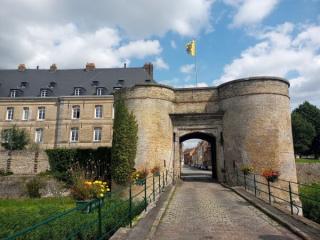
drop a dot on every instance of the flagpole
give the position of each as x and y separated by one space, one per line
195 65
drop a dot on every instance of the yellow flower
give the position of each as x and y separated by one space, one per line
101 194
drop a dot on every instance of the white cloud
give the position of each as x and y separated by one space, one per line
173 44
74 32
284 53
159 63
187 69
66 46
250 12
200 84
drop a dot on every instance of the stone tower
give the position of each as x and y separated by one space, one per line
249 120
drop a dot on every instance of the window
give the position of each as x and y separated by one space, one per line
97 134
13 93
41 113
77 91
74 135
75 112
10 112
25 114
44 93
98 111
38 138
99 91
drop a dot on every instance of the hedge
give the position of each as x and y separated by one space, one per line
97 162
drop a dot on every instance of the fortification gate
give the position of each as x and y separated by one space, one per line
249 119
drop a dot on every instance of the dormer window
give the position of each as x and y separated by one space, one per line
13 93
24 84
120 82
99 91
116 88
52 84
95 83
44 93
77 91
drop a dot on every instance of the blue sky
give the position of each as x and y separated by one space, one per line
235 38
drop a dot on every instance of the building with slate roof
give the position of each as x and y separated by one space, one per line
65 107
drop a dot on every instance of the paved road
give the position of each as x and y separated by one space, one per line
204 210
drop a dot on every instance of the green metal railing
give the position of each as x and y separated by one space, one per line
288 191
100 222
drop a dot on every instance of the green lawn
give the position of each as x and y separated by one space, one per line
307 160
18 214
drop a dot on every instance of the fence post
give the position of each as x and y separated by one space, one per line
160 183
166 176
130 205
255 185
237 177
145 194
245 182
290 195
99 219
269 192
153 192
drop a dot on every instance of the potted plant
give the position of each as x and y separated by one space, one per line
246 169
87 193
139 176
155 170
271 175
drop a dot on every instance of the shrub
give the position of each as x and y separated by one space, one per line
124 142
246 169
95 162
310 198
33 187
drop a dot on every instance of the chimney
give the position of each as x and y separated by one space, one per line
22 67
124 65
37 67
149 69
53 68
90 67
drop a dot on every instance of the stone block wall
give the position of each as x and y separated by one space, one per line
23 162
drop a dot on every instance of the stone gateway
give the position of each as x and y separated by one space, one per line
247 121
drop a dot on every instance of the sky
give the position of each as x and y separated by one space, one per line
235 38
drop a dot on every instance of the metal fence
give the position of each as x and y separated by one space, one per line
280 191
99 218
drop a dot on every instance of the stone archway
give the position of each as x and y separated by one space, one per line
206 137
205 126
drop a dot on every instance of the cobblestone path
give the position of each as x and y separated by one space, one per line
203 210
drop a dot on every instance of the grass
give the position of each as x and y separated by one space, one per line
310 198
307 160
18 214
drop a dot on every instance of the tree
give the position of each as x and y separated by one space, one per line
124 142
311 114
303 133
14 139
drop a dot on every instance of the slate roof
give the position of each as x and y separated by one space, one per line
67 79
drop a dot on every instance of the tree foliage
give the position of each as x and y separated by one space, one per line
124 142
303 133
306 129
14 138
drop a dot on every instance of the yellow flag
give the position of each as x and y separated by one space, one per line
191 48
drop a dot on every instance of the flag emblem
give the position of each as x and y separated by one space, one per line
191 48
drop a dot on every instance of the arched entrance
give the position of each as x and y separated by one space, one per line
211 140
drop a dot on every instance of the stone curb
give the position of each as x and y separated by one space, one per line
160 214
259 206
